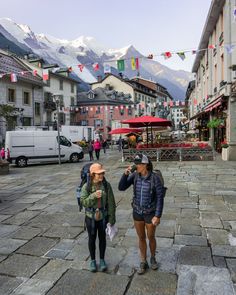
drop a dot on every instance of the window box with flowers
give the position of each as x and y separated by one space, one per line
225 150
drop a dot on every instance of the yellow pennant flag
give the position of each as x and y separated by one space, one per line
133 64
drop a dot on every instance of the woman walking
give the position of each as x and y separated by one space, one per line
90 150
148 192
97 147
98 199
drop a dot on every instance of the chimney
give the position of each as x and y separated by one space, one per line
99 78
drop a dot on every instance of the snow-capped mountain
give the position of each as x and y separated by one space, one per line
86 50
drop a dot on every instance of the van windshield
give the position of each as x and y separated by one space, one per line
64 141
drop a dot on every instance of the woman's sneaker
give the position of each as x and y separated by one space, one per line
153 263
93 266
103 266
142 268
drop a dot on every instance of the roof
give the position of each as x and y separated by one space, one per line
9 63
118 77
103 96
212 18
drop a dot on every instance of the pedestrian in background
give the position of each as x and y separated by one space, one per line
97 147
98 199
2 152
148 199
104 145
90 150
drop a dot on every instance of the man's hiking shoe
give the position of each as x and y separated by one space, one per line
103 266
143 267
153 263
93 266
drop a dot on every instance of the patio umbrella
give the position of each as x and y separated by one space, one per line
125 130
146 121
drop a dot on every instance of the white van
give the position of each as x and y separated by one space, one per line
28 147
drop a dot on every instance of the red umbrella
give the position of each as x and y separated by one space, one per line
125 130
146 121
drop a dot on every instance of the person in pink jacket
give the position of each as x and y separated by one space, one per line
97 147
2 152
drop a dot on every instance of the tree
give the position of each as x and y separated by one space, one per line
8 112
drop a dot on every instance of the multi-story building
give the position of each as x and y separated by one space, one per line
190 102
103 109
148 96
25 94
178 116
215 66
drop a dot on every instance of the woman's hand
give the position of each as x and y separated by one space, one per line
98 194
128 170
156 220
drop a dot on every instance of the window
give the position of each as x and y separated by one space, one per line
72 101
130 111
222 67
64 141
61 84
37 109
91 95
84 123
98 110
26 121
72 87
11 95
26 98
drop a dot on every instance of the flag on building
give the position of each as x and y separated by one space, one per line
177 103
181 55
22 73
81 67
96 67
230 48
35 73
183 103
13 77
165 103
120 65
171 103
107 68
211 46
45 75
195 101
134 63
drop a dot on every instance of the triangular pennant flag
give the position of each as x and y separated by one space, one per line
181 55
195 101
167 55
1 76
81 67
194 51
70 69
96 67
120 65
165 103
230 48
183 103
177 103
107 68
171 103
150 56
134 63
211 47
34 73
22 73
45 75
13 77
234 13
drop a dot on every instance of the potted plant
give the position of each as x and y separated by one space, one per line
224 153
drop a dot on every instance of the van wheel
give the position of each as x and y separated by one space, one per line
21 162
74 158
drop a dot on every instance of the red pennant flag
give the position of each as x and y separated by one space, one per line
22 73
211 46
171 103
70 69
165 103
35 73
137 63
81 67
96 67
13 77
167 55
195 101
45 75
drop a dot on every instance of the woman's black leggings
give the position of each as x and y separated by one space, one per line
97 153
92 234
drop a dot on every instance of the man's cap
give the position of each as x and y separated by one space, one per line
96 168
141 159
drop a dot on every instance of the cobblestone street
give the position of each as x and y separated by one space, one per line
43 245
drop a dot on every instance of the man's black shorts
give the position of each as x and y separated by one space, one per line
147 218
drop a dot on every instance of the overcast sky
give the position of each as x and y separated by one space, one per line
152 26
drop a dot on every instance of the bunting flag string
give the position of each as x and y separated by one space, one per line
135 61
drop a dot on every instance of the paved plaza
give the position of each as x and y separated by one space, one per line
43 245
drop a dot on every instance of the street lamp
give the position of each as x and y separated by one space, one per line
56 98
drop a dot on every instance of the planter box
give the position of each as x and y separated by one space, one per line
4 167
225 154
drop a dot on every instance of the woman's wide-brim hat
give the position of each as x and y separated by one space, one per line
96 168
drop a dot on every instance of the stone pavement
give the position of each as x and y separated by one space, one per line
43 245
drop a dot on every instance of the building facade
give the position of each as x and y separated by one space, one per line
215 70
25 94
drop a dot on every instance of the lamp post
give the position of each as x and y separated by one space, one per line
57 101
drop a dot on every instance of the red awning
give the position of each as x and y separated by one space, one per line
145 121
125 130
213 104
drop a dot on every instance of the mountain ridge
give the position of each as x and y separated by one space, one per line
87 51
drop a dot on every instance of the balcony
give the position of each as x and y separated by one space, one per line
222 83
221 38
49 106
